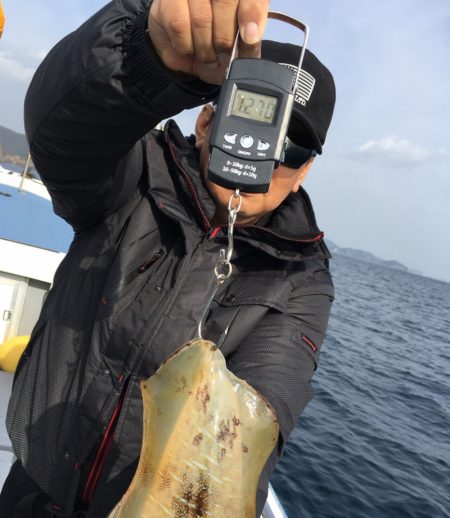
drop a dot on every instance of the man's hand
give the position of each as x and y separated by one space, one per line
197 36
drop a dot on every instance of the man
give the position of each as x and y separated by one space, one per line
148 227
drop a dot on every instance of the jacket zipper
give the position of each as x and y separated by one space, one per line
205 220
135 273
102 452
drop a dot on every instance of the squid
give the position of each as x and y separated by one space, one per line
206 438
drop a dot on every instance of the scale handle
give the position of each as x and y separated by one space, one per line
275 15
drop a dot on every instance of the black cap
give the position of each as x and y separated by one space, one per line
314 97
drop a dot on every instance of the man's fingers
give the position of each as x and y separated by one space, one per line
225 24
177 22
252 18
202 30
191 35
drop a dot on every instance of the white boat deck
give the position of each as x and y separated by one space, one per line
31 185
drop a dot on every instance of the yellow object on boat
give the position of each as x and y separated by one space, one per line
11 351
207 436
2 20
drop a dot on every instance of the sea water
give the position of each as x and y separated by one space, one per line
375 440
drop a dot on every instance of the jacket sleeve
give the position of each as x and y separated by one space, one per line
278 358
94 97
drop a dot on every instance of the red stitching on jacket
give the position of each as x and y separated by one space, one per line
308 341
205 221
215 232
102 453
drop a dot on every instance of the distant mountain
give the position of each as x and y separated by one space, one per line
362 255
13 146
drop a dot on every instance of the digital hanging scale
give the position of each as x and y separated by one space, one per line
252 118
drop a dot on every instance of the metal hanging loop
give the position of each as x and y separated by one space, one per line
275 15
223 268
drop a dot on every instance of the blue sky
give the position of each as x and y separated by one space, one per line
383 182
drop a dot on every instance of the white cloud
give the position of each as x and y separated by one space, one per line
39 55
11 68
395 147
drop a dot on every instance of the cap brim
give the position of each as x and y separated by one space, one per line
302 132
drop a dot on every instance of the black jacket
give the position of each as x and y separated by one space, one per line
134 282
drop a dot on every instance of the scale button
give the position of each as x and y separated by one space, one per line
247 141
231 138
263 145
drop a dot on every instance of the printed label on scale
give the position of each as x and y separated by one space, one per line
239 169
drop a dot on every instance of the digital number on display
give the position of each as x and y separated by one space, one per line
251 105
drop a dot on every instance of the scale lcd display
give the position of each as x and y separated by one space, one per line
254 106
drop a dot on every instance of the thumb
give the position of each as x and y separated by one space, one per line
252 21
